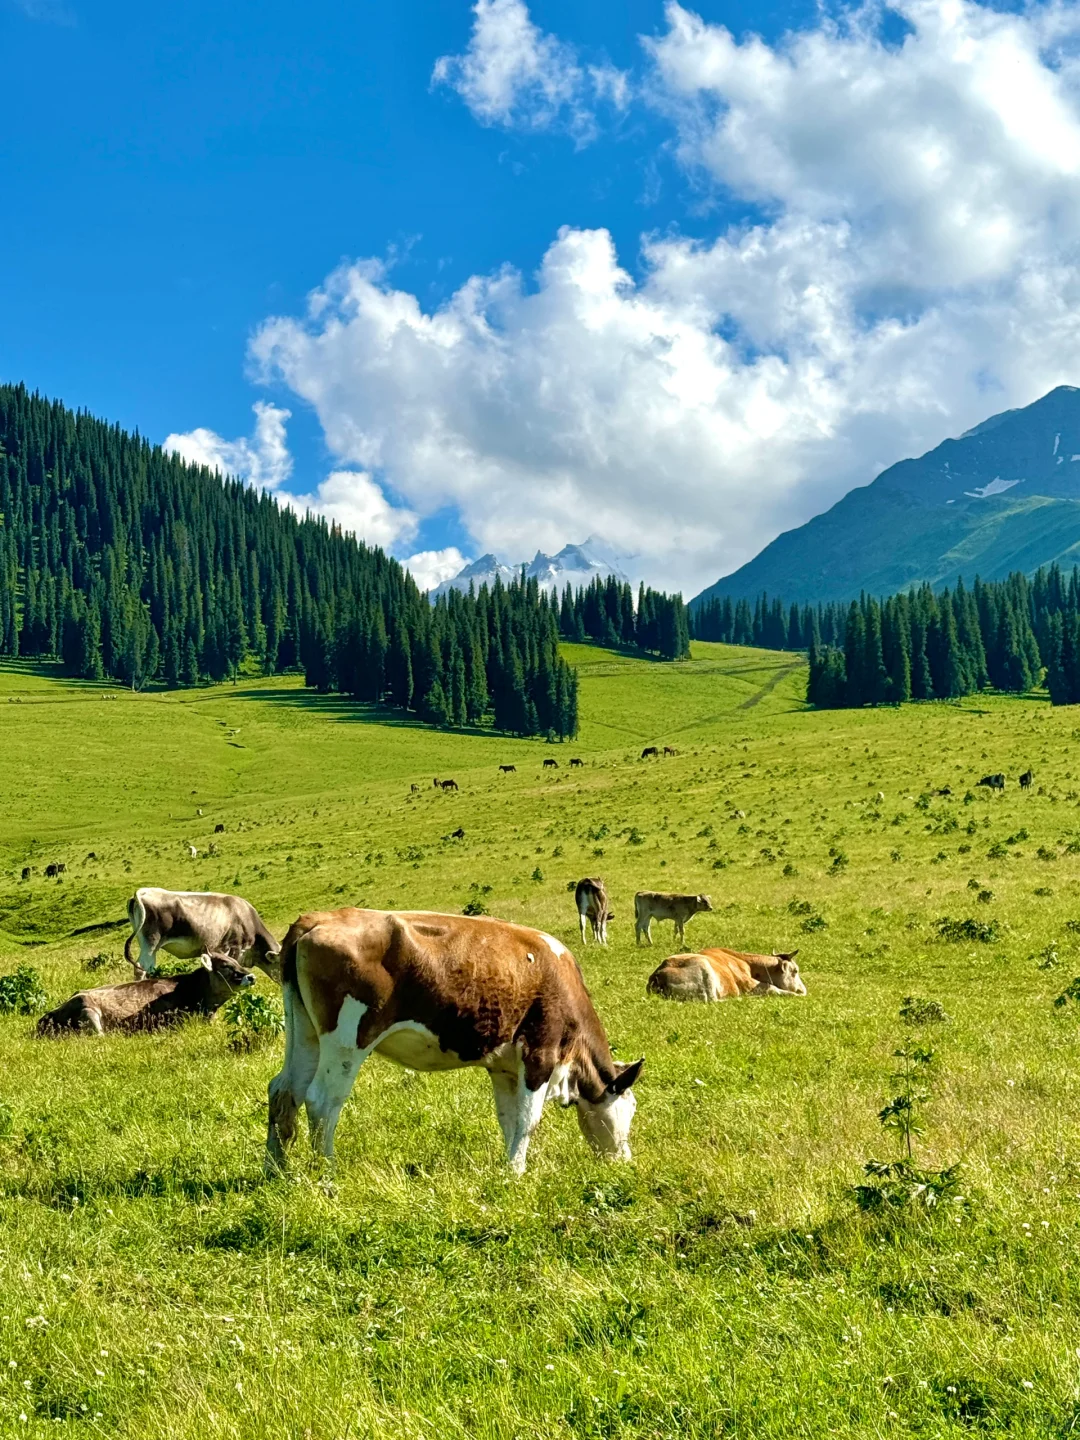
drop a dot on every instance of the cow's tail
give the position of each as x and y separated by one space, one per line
136 917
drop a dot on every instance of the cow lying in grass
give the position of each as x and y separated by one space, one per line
441 992
723 974
151 1003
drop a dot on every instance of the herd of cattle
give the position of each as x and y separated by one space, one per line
432 992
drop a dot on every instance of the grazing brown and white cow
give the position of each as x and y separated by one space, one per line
650 905
440 992
720 974
148 1004
591 899
188 923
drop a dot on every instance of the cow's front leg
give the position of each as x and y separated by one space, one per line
529 1108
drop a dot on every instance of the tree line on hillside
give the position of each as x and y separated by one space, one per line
922 645
129 564
604 611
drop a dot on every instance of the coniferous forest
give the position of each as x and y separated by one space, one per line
1008 634
127 563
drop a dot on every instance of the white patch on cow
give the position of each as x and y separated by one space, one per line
556 946
606 1125
530 1106
413 1045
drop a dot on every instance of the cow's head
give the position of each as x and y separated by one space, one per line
703 902
605 1123
785 974
266 953
226 975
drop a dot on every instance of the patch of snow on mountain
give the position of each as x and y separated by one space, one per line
996 486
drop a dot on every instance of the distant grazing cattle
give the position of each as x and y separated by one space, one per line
650 905
648 751
993 782
880 796
448 784
198 810
219 829
26 872
441 992
508 769
148 1004
591 899
91 855
415 789
550 764
436 782
189 923
720 974
194 854
669 750
575 763
944 790
54 869
1026 779
458 834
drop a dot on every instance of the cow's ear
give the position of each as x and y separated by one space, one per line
790 956
626 1077
206 962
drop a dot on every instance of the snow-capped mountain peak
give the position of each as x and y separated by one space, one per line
576 565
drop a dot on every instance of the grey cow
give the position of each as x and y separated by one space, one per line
151 1003
190 923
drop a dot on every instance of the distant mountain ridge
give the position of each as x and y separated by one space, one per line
1002 497
575 565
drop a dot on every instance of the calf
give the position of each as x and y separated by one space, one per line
508 769
149 1004
441 992
26 872
650 905
219 829
186 923
993 782
1026 779
591 900
576 764
669 750
719 974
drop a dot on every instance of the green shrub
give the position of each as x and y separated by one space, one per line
252 1021
475 907
22 993
956 931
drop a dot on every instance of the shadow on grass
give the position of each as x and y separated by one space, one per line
64 1192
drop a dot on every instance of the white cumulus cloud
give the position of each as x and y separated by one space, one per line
263 461
431 567
358 504
514 74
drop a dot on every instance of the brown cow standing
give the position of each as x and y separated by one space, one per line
148 1004
720 974
650 905
591 899
440 992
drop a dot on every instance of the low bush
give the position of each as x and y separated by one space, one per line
22 992
252 1021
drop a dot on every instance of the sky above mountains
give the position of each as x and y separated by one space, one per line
493 277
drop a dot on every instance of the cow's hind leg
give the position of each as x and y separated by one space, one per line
340 1059
289 1089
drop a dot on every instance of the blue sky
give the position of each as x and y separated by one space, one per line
742 312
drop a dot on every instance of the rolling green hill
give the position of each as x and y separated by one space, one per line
1004 497
723 1283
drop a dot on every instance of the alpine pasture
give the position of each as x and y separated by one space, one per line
152 1283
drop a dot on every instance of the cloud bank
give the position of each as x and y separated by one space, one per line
908 266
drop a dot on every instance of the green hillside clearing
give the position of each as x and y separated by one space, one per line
721 1284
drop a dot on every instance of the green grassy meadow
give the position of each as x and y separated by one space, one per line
723 1283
